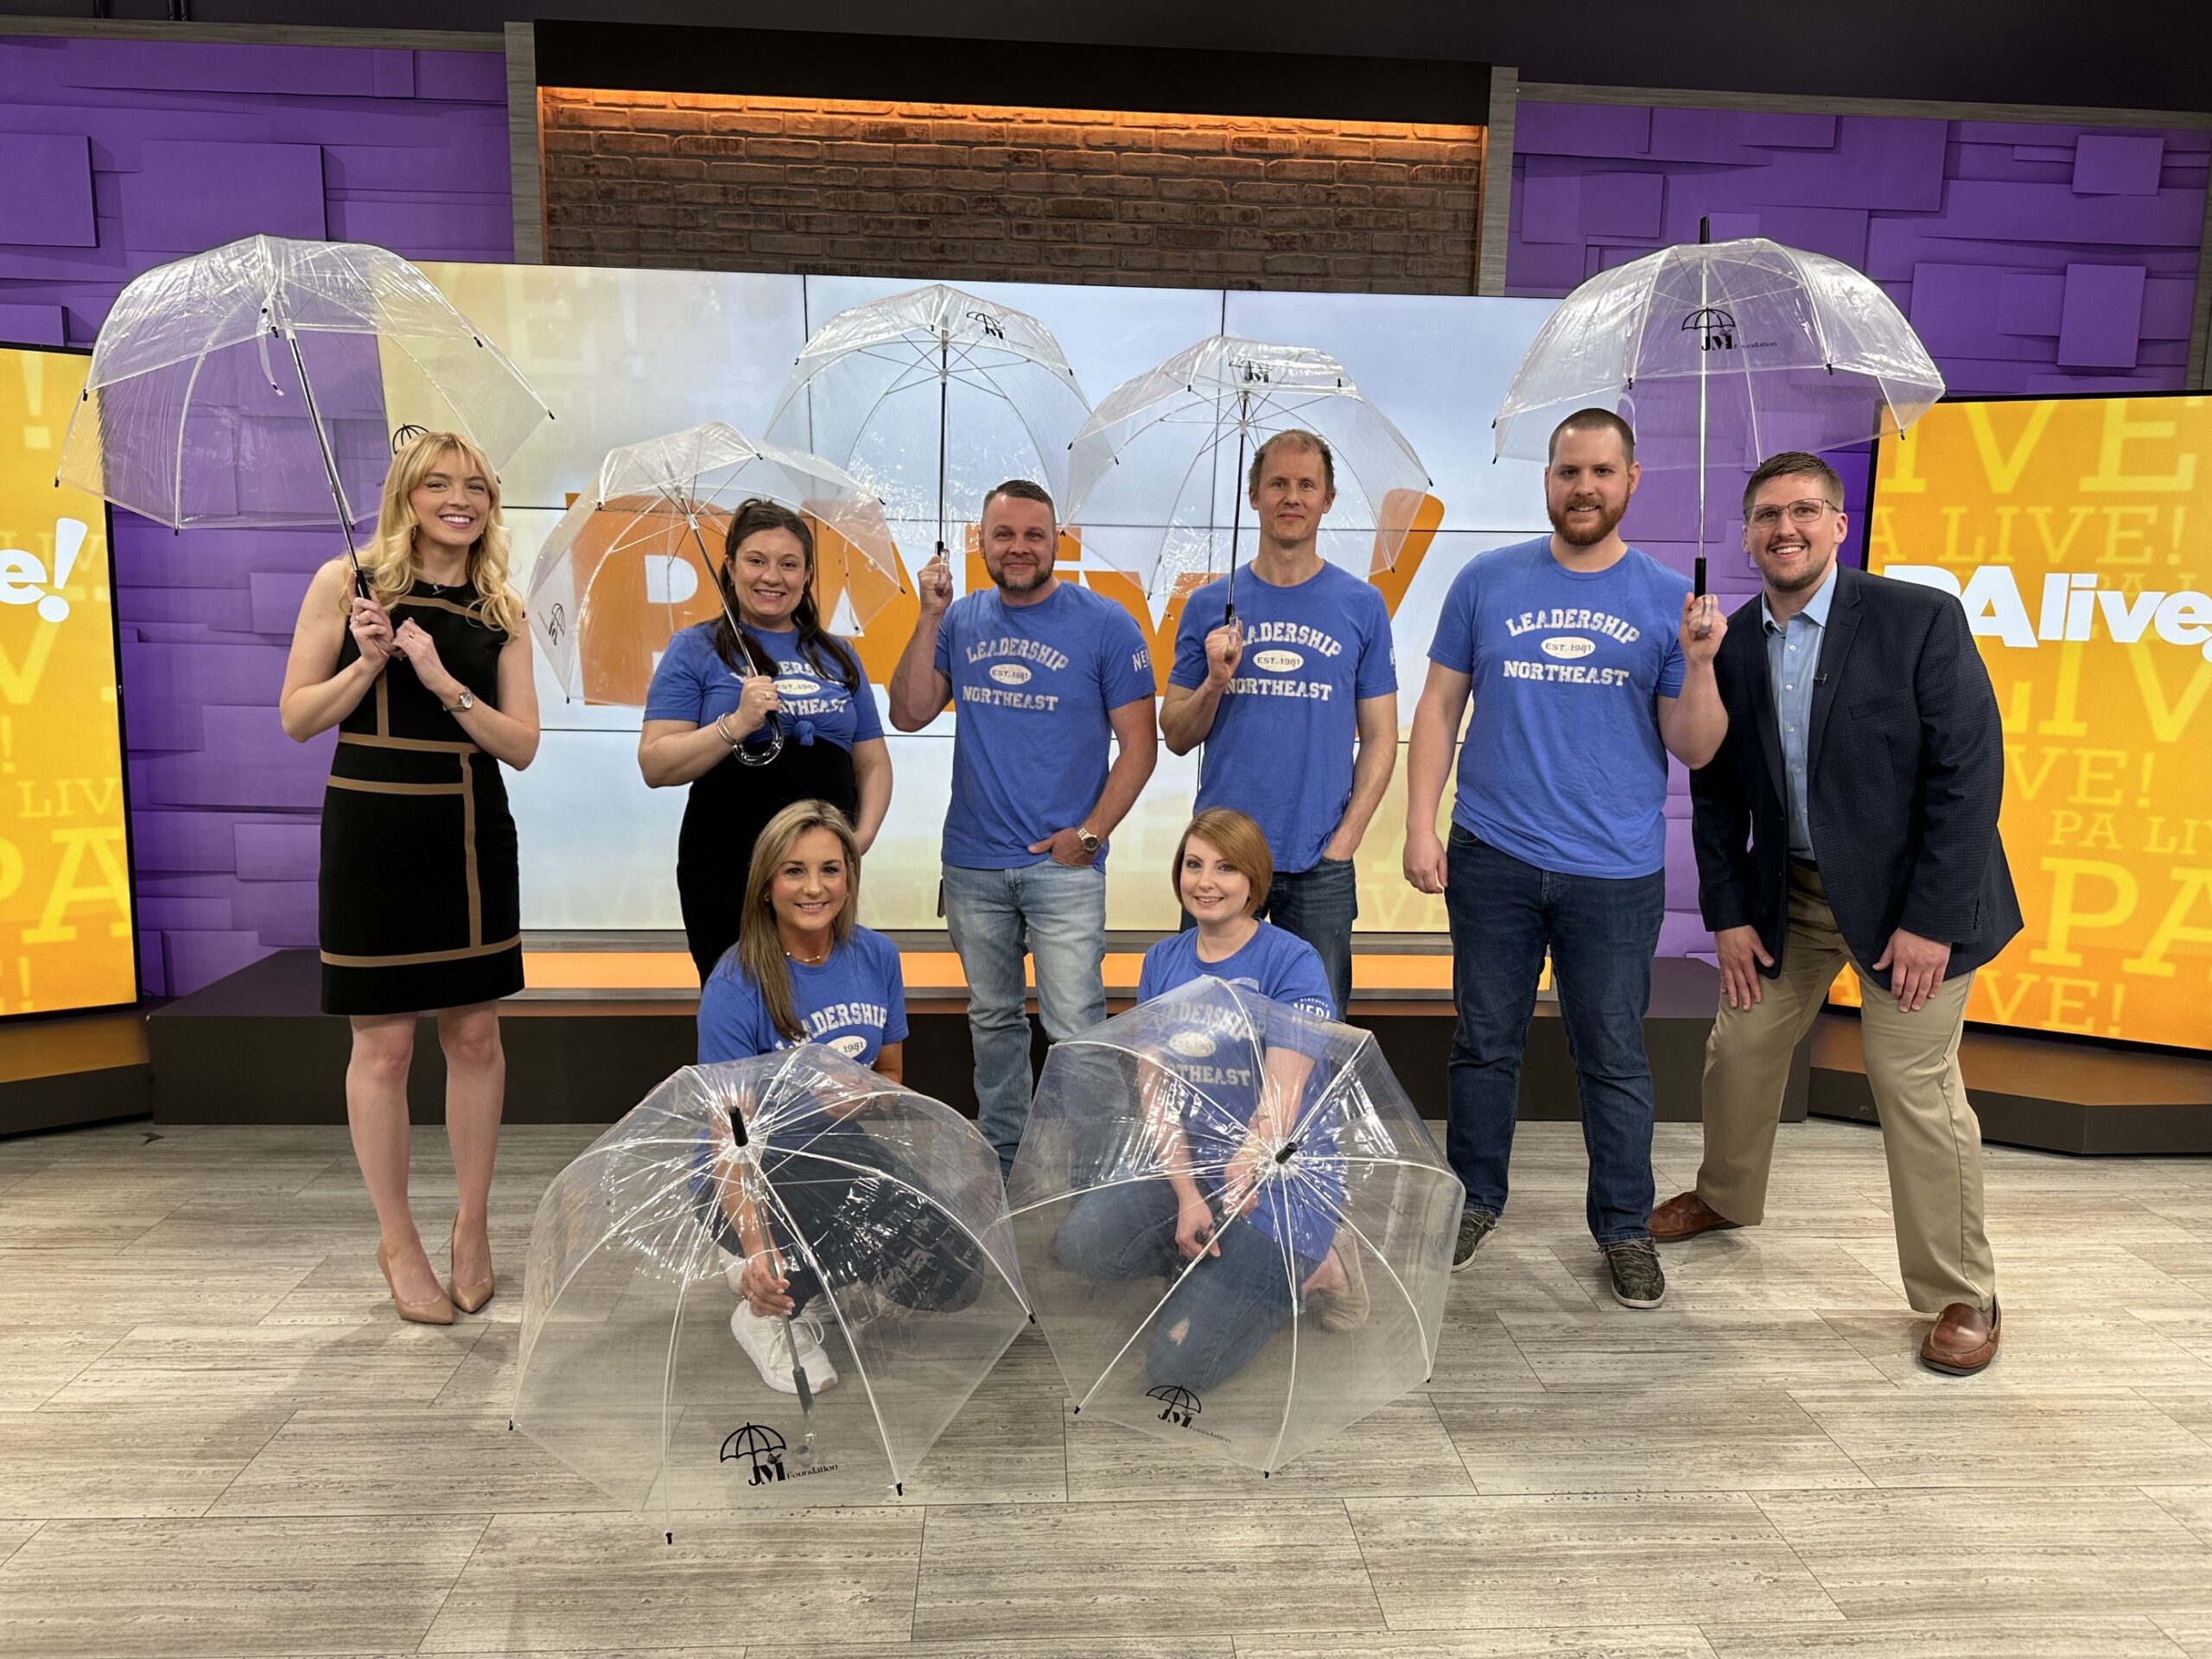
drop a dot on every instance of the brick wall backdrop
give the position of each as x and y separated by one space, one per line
965 191
117 156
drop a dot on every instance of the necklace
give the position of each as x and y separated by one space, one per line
811 962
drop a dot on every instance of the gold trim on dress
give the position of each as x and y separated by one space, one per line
371 786
419 957
420 745
468 853
383 704
475 613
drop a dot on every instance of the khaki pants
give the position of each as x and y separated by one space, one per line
1929 1133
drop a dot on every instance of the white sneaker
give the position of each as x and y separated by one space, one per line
733 1269
766 1344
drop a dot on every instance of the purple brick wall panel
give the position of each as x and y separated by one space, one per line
45 189
2107 164
178 146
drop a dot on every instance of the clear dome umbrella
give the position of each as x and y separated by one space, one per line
635 557
931 397
1742 348
884 1210
1156 477
252 385
1237 1230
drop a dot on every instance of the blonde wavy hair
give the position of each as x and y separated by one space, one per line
389 561
760 947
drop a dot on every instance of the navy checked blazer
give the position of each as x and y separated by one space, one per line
1904 774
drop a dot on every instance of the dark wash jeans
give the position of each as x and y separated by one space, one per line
1319 905
1601 934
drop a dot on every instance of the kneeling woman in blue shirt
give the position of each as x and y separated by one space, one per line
802 970
1220 1314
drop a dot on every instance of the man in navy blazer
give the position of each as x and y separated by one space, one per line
1850 816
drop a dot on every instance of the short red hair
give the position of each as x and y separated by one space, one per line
1243 846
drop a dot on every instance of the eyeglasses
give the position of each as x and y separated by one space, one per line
1807 511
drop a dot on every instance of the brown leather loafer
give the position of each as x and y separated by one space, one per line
1963 1340
1685 1216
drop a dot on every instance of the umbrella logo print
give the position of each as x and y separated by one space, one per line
1178 1405
1718 327
557 623
763 1450
1253 369
990 325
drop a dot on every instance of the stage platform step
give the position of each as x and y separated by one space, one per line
598 1026
58 1071
2054 1093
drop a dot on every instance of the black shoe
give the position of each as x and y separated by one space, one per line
1634 1265
1474 1227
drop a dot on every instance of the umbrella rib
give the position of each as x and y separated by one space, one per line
921 1192
1290 1391
1420 1326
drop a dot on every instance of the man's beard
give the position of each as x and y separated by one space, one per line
1809 577
1608 521
1042 574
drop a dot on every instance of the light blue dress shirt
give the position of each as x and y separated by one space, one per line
1793 659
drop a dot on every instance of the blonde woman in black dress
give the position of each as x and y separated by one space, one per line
427 677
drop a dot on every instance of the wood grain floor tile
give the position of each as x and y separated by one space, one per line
2191 1505
221 1365
1399 1451
1638 1641
2041 1353
1475 1353
546 1583
1490 1563
1965 1554
2119 1637
79 1287
1963 1436
117 1460
1701 1440
36 1361
1141 1569
1197 1644
399 1460
228 1589
1666 1349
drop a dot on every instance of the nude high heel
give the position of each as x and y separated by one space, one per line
469 1298
437 1311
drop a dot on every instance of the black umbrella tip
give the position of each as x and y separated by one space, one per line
1289 1150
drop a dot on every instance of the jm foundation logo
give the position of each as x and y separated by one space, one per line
25 579
1716 328
762 1450
1177 1406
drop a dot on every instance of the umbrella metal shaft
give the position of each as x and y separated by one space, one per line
329 460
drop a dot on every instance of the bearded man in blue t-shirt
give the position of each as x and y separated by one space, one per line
1589 663
1048 677
1284 693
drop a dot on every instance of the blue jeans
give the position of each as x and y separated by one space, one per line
1218 1316
1319 907
1601 934
1056 913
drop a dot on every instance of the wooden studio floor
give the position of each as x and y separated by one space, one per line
216 1440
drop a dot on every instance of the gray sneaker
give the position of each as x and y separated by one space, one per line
1634 1266
1475 1226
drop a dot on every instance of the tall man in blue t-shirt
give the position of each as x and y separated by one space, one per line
1318 683
1045 674
1589 663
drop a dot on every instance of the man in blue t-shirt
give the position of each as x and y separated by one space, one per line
1284 693
1045 674
1589 663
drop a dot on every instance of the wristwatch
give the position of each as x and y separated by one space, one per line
1085 839
463 704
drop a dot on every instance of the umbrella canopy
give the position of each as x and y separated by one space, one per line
885 1209
635 558
1156 477
1304 1159
253 384
930 397
1781 349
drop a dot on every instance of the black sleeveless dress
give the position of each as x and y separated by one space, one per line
420 904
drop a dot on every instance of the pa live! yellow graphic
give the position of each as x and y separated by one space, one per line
65 884
2073 532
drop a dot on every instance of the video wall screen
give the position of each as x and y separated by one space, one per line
65 935
624 355
2077 533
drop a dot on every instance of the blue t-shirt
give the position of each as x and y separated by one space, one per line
693 683
1312 652
1562 767
854 1003
1032 686
1285 970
